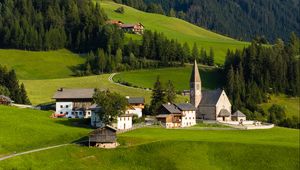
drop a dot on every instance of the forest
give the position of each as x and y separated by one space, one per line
240 19
257 71
9 86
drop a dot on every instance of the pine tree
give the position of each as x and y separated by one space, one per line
195 52
211 60
158 97
23 95
170 92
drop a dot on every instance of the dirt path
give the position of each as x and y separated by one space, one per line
110 79
32 151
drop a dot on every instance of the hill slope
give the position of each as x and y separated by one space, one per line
26 129
157 148
40 65
176 29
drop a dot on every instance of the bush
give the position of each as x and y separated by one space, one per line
120 10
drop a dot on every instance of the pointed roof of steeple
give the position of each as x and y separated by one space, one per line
195 77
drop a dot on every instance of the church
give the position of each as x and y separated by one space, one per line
209 104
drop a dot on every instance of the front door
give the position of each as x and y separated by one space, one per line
223 118
124 126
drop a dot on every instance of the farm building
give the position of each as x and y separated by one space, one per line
177 115
124 121
238 116
105 137
133 28
4 100
211 105
115 22
135 106
73 103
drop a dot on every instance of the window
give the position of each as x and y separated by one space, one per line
61 106
128 118
67 106
61 112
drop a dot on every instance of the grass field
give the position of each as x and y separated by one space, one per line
211 78
25 129
291 104
41 91
176 29
156 148
40 65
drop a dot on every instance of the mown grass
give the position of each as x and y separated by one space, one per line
277 148
42 91
40 65
176 29
26 129
291 104
211 78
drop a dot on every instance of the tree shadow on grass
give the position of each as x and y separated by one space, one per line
81 123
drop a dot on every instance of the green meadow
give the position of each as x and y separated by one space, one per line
291 104
211 77
26 129
176 29
40 65
157 148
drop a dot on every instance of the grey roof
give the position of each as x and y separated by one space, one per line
210 98
136 100
224 113
186 107
238 114
74 94
100 129
6 98
171 108
195 77
162 116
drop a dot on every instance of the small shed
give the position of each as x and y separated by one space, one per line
4 100
238 116
105 137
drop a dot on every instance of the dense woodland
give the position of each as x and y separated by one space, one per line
49 25
241 19
9 86
257 71
155 50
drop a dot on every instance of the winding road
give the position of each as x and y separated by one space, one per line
32 151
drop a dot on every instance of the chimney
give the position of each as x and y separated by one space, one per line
61 89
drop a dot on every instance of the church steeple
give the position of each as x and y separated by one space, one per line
195 86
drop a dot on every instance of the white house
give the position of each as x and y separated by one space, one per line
238 116
135 106
73 103
124 121
177 115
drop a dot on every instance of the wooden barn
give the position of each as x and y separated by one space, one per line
4 100
105 137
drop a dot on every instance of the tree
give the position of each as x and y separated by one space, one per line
23 95
102 60
158 97
120 10
170 92
4 91
111 104
195 52
277 114
211 59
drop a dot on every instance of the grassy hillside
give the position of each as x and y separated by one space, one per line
176 29
40 65
26 129
156 148
41 91
211 78
291 104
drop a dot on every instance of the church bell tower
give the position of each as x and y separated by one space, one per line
195 86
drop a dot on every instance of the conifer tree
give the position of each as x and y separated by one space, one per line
170 92
158 96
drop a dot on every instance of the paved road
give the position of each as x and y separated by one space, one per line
32 151
110 79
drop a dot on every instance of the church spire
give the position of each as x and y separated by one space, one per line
195 86
195 77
